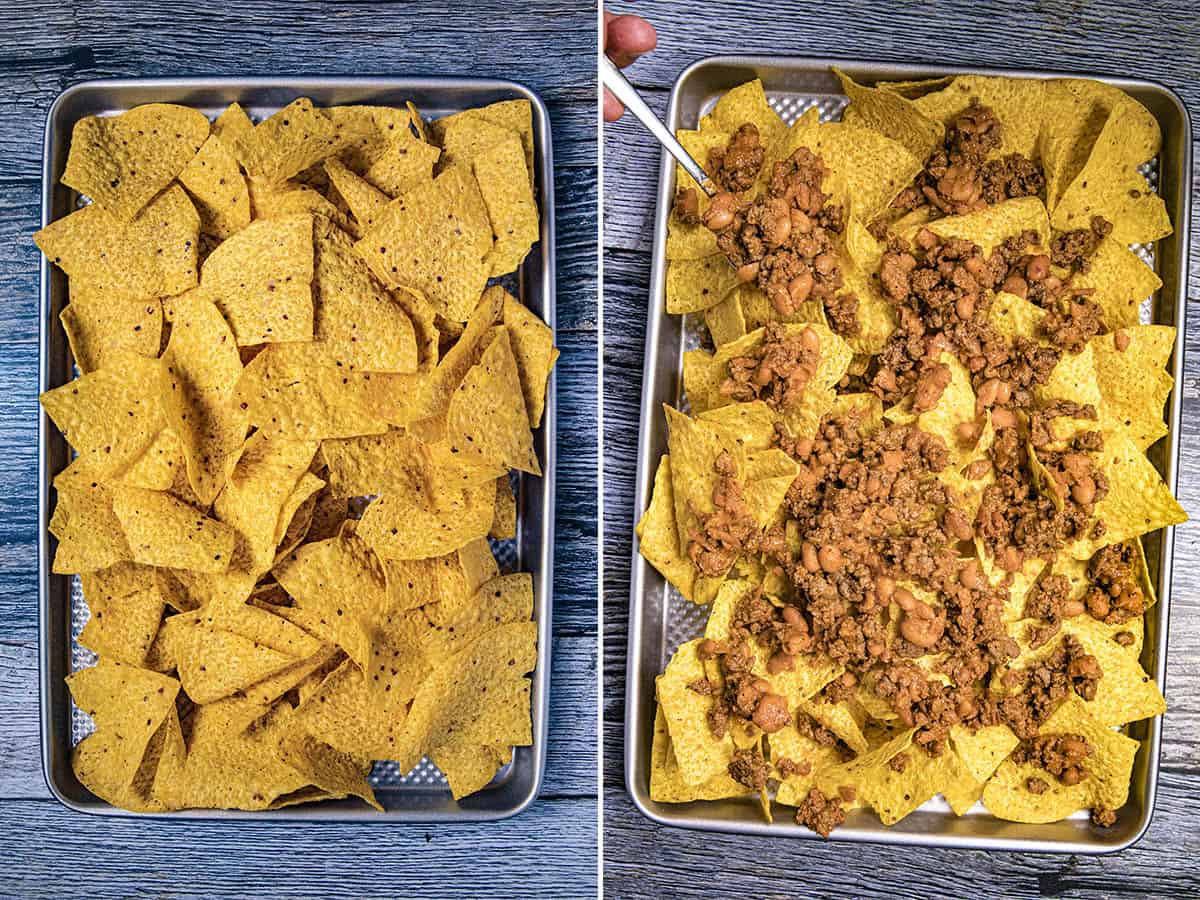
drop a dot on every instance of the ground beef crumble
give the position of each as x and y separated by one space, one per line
1062 755
729 530
748 768
820 813
735 166
778 371
1115 597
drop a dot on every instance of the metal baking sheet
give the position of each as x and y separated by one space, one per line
418 796
660 619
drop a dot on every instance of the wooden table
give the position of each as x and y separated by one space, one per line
46 850
1153 39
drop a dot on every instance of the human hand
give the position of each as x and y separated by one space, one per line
625 39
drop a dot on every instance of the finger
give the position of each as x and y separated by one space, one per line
628 37
612 107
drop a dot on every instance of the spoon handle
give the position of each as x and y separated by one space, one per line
616 82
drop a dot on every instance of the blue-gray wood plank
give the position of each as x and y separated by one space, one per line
550 850
1152 39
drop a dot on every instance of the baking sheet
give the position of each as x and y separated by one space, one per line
660 619
421 795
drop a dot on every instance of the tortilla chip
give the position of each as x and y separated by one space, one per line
658 534
892 115
992 225
404 163
666 782
1120 281
101 327
152 255
163 531
700 755
1013 100
291 140
335 774
1133 382
216 184
398 527
260 279
109 416
745 103
487 422
126 607
515 115
694 285
434 239
123 161
366 201
512 208
128 705
504 523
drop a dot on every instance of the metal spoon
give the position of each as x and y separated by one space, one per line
615 81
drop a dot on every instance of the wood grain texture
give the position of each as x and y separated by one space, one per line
548 45
1148 40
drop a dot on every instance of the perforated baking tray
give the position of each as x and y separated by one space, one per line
421 795
660 619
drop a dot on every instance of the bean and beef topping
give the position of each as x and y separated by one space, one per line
1115 597
1033 693
778 371
687 206
735 166
785 241
1062 755
1073 250
957 178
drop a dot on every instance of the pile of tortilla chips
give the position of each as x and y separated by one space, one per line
1090 139
272 322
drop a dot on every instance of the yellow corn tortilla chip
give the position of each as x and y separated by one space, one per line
1134 384
405 162
372 129
699 754
357 324
434 239
122 161
255 492
366 201
693 285
109 416
1125 692
892 115
468 767
658 535
88 531
336 774
533 345
294 138
1120 281
260 279
666 782
214 663
443 585
152 255
745 103
704 373
101 327
694 447
992 225
1106 784
200 370
384 463
487 422
1110 185
218 188
164 531
511 205
398 527
515 115
288 392
450 706
504 521
726 321
982 751
234 128
689 241
1138 500
789 744
126 606
127 705
1015 101
867 168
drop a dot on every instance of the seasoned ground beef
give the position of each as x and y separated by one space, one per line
778 371
842 313
789 767
1037 785
820 813
1103 818
750 769
1073 321
899 762
1010 177
1073 250
735 166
